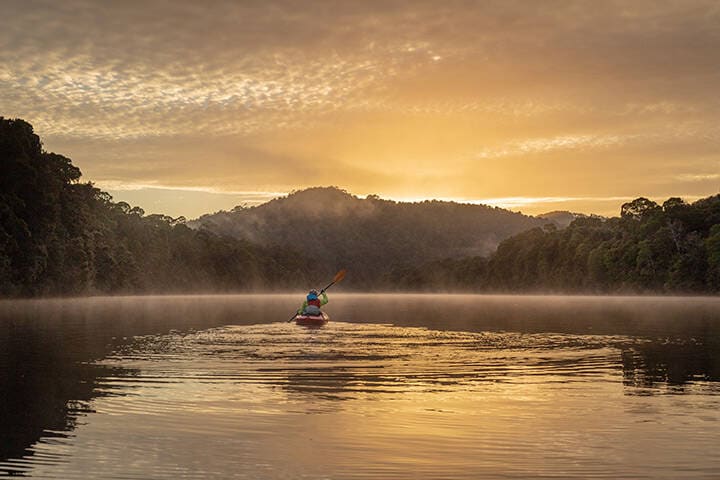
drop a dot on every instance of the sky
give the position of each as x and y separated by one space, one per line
186 107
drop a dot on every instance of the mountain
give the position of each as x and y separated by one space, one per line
371 235
561 218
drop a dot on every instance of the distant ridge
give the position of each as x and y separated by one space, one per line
369 235
561 218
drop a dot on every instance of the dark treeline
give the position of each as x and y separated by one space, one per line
59 235
673 248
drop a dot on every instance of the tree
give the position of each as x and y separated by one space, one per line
639 209
712 246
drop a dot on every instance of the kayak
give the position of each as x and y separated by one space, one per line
312 320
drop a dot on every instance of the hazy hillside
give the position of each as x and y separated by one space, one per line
371 235
561 218
673 247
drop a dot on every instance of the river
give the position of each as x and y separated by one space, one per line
395 386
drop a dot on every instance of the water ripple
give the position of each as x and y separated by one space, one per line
345 359
458 398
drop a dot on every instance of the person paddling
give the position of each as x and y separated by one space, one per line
312 303
310 308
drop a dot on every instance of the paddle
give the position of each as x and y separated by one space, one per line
337 278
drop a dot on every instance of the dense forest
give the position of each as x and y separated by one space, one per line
62 236
59 235
370 236
671 248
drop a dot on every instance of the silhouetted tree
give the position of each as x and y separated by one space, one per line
61 236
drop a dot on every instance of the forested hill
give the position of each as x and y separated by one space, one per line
60 236
650 248
369 236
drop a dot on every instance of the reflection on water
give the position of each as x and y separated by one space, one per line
659 363
343 360
395 387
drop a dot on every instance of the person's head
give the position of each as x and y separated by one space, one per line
312 295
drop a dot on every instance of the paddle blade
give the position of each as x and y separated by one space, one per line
339 276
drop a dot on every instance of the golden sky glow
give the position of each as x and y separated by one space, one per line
189 107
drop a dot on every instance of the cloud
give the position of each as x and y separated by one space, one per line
699 177
460 99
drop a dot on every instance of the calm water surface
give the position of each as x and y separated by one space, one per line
396 386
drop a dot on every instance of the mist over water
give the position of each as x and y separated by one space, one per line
395 386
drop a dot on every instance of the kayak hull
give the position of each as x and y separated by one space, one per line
312 320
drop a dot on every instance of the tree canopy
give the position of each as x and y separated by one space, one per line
649 248
61 236
370 236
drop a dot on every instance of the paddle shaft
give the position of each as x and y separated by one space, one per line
323 290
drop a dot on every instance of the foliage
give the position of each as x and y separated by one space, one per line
61 236
369 236
649 248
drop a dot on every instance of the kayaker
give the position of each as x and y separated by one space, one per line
312 303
